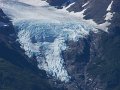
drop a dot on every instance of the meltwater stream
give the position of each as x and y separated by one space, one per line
42 32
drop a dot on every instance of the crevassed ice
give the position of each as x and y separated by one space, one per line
42 32
46 41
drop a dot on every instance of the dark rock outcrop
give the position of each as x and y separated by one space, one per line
94 9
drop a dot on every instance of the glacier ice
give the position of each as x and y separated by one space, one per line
46 40
42 32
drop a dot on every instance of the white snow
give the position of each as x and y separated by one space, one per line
6 25
109 16
79 14
35 2
104 26
110 5
68 6
85 4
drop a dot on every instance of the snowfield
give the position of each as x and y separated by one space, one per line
42 31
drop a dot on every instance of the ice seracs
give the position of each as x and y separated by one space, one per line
42 31
46 41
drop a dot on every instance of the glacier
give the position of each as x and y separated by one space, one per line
43 31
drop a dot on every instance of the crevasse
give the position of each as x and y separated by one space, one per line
42 32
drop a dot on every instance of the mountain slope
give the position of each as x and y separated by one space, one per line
92 61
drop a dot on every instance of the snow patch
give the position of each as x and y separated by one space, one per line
85 4
109 16
69 6
104 26
110 6
3 24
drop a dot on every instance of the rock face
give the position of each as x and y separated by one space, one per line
57 3
93 62
102 69
95 10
